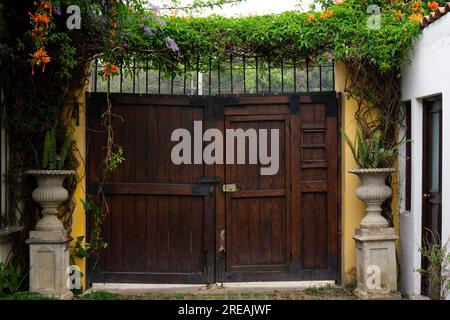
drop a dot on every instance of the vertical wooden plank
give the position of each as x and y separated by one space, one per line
152 137
208 206
285 143
140 164
117 244
308 230
129 225
267 236
279 232
140 233
129 116
106 260
332 194
320 230
252 208
164 144
220 211
152 252
296 228
265 213
164 208
120 139
163 234
176 226
196 243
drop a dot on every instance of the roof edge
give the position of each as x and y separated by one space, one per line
433 16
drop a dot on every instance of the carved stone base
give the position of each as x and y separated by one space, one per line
49 260
376 266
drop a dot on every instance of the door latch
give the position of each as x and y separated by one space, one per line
206 180
229 187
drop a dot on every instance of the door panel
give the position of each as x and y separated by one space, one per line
160 221
257 215
285 226
318 186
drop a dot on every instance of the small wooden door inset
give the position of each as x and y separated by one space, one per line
258 228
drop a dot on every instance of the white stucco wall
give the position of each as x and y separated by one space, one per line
427 75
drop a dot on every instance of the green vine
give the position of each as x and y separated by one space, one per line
82 249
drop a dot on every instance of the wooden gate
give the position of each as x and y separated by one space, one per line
177 224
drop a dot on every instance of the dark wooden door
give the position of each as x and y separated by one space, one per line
283 226
432 166
171 224
160 223
432 177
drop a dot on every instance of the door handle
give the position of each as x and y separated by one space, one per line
426 195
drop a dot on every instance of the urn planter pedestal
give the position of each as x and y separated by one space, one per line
49 242
376 266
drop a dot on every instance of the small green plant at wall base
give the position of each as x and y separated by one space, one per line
80 250
11 279
369 152
51 160
83 250
437 266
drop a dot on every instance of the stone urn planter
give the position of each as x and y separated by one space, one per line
49 194
373 191
49 242
376 268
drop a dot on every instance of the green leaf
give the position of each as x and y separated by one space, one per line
52 150
350 144
63 154
46 150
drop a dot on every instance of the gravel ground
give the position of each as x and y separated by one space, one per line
318 293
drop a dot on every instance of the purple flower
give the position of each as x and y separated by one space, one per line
159 21
172 45
57 10
155 8
150 32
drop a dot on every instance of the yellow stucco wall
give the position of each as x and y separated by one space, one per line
352 209
79 217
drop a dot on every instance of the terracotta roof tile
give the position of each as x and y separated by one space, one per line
433 16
